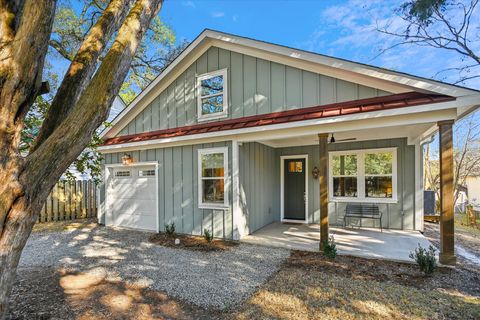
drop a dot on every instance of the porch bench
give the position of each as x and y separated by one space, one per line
362 211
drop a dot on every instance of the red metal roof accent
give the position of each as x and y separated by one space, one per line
393 101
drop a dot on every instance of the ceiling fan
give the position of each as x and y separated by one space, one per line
333 140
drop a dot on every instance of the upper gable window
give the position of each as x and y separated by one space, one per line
212 95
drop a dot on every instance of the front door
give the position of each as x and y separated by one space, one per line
294 189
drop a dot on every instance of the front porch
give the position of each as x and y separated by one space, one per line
390 244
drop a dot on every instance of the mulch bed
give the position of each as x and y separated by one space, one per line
459 279
195 243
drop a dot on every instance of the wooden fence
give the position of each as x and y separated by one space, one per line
70 200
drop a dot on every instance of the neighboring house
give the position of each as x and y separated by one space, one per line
232 136
472 186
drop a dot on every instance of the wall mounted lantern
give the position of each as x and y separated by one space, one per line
315 173
127 159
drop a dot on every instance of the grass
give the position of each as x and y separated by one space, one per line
335 290
57 226
297 294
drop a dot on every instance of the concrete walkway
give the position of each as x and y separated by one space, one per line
393 245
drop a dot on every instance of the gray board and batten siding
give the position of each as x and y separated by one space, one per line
178 189
259 174
260 184
255 86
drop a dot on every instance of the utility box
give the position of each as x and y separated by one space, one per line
428 202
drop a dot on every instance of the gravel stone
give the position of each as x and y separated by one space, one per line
218 279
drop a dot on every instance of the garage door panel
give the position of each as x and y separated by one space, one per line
139 221
134 205
132 199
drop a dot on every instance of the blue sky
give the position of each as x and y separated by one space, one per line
344 29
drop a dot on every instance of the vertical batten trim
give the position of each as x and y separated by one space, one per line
238 218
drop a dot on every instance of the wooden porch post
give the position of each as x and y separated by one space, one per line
323 179
447 251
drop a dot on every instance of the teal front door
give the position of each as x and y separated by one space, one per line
294 193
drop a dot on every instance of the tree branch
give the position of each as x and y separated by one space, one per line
47 163
82 67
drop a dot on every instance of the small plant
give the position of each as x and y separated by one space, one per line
426 260
170 229
330 248
207 235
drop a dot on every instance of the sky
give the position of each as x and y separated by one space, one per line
344 29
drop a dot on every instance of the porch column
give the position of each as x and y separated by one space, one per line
323 179
447 251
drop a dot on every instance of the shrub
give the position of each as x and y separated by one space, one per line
170 229
330 248
207 235
425 259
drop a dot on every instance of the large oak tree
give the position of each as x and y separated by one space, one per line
79 107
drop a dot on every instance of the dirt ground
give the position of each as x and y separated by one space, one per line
466 237
192 242
312 287
307 286
61 294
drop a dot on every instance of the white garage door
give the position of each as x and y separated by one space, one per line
132 197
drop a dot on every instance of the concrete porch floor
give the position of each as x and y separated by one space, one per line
393 245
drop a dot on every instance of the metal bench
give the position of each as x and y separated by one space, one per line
362 211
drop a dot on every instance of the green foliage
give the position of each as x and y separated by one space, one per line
421 11
170 229
33 121
330 248
71 24
207 235
426 260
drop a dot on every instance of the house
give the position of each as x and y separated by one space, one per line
237 133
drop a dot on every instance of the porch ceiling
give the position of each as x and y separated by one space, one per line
406 131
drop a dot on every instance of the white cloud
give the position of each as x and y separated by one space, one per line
218 14
190 4
349 30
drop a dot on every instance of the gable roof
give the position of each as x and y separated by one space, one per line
331 110
388 80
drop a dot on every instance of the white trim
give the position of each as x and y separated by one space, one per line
347 70
109 168
368 120
419 186
217 115
226 184
282 187
238 219
360 153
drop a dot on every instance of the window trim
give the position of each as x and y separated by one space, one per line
361 176
217 115
123 176
226 184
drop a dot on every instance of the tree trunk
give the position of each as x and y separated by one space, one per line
26 183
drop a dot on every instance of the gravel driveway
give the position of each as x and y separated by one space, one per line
213 279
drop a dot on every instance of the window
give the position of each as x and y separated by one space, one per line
146 173
344 175
212 95
122 174
212 172
295 166
363 175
